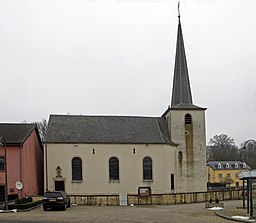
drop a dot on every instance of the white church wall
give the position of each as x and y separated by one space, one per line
95 167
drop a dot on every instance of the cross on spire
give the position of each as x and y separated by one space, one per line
179 10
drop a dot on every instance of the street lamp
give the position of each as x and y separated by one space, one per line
249 142
3 143
249 182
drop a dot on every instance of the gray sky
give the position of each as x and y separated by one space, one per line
110 57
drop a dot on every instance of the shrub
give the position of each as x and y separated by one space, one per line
216 185
24 200
18 201
12 197
217 200
30 199
24 205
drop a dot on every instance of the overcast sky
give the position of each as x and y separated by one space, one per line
116 57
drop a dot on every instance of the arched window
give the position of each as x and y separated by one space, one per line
180 157
188 119
113 168
76 168
147 168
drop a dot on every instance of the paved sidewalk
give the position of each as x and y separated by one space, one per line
229 213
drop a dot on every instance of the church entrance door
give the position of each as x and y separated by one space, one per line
59 185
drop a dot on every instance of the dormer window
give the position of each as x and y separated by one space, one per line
219 165
236 165
244 165
227 165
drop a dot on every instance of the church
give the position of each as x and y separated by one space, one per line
131 154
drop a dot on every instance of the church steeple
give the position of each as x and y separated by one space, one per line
181 92
186 125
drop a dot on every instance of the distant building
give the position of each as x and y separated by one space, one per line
114 154
226 172
24 159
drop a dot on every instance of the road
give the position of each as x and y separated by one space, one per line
196 213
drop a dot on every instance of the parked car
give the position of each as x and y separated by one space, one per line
56 199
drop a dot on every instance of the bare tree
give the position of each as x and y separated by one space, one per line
222 147
42 128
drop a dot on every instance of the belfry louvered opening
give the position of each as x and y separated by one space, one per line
188 119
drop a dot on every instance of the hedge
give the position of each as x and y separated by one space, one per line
24 205
24 200
216 184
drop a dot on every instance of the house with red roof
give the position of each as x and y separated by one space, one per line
24 160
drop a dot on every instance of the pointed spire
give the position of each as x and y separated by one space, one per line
181 93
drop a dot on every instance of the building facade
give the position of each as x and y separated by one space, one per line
225 172
24 156
131 154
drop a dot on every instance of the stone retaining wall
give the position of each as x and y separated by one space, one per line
157 199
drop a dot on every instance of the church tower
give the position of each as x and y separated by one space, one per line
186 123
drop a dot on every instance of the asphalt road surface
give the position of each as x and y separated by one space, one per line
196 213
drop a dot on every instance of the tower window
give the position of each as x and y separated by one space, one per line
172 181
188 119
180 156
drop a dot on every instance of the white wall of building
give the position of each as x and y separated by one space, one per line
96 167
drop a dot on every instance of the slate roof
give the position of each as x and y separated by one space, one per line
187 106
107 129
16 133
228 165
181 92
183 107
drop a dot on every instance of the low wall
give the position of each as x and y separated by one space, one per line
157 199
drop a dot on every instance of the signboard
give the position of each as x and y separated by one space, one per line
122 199
144 191
19 185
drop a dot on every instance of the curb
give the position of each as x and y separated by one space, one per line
20 210
29 209
222 215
